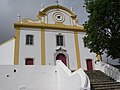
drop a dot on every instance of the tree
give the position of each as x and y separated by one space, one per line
103 27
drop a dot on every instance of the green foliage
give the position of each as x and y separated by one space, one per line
103 27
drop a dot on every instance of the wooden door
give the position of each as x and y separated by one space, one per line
62 58
89 64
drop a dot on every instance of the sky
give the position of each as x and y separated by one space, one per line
9 10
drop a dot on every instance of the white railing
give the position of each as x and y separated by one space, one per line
109 70
77 80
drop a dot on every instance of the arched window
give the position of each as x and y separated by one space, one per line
60 40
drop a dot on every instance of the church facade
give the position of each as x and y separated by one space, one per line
44 51
54 35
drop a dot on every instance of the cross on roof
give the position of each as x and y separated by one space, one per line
18 17
57 1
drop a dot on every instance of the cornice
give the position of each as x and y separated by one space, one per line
58 26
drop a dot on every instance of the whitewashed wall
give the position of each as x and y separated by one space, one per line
7 52
85 52
30 51
71 50
50 47
50 44
34 51
77 80
27 77
19 77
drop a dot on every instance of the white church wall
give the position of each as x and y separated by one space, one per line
28 77
7 52
85 52
70 47
50 18
50 44
67 18
30 51
19 77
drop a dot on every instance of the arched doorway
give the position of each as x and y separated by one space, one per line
62 58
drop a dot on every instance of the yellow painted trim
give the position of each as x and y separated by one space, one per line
50 26
17 40
77 49
43 47
7 41
43 13
99 57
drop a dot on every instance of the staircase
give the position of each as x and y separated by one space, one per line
99 81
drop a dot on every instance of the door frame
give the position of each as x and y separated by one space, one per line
64 53
91 67
60 59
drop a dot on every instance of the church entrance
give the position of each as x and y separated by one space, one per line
62 58
89 64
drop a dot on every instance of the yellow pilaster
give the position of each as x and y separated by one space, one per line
17 40
43 47
99 57
77 49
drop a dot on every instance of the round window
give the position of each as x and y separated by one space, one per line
58 17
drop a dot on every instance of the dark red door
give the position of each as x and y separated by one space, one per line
29 61
89 64
62 58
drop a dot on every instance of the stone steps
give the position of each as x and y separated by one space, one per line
96 83
107 88
106 85
99 81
